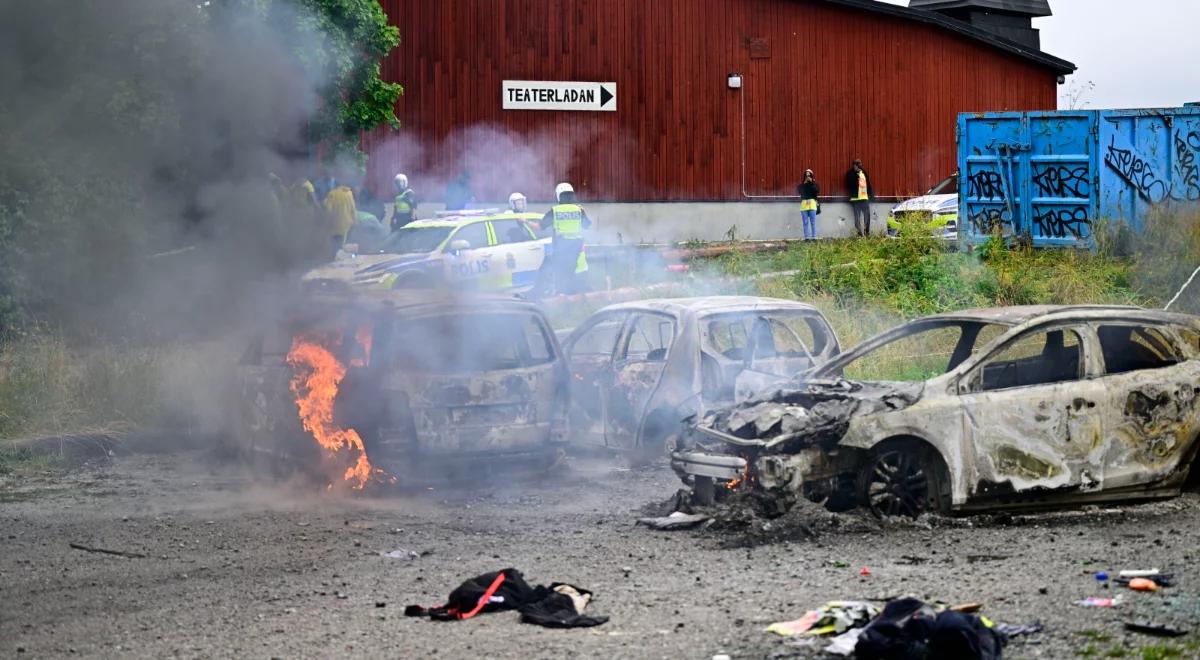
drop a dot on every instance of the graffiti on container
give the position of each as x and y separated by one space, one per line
989 220
1186 147
1063 181
986 184
1138 172
1062 222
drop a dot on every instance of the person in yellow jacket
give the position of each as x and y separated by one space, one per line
568 221
339 207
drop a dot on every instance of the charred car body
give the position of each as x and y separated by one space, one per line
638 369
434 387
989 409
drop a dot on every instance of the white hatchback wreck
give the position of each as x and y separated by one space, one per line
987 409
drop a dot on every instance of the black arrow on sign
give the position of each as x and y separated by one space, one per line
605 96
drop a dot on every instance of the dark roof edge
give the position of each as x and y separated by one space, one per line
1059 66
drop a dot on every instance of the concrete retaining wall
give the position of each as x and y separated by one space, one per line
668 222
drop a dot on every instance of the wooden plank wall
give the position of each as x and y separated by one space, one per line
838 83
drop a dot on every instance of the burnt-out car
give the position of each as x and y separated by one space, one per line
638 369
990 409
407 385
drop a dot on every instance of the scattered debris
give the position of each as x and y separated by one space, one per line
1094 601
1162 580
910 628
1143 584
832 617
403 554
1157 629
1011 630
844 643
677 520
115 553
1139 573
864 571
975 559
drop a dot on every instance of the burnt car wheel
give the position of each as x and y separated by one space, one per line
659 435
902 481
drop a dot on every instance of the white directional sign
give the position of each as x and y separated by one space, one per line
559 95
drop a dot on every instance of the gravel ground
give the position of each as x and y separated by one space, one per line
237 568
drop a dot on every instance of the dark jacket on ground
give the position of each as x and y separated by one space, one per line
810 189
852 184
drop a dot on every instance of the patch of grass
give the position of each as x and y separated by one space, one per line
20 462
49 388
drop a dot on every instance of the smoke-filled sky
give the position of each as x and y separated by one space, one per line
1138 54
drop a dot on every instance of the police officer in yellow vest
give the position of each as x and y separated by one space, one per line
568 221
405 208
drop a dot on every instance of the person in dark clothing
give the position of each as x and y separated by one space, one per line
858 184
458 193
808 191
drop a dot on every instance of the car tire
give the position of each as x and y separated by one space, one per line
903 479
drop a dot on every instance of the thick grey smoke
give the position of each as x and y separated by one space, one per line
136 140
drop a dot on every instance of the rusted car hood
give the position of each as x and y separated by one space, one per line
800 415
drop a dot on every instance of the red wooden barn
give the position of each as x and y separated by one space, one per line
822 82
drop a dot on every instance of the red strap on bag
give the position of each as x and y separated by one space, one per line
485 598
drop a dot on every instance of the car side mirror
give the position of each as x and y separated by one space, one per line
459 245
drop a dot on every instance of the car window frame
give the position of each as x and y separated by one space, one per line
458 230
524 227
620 356
1088 345
1169 330
621 316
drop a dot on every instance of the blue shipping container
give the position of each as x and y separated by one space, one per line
1052 174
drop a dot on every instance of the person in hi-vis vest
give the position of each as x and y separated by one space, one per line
568 221
405 209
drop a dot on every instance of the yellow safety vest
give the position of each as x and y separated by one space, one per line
404 202
339 204
808 205
568 220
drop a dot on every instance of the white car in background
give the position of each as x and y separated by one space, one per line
936 209
478 249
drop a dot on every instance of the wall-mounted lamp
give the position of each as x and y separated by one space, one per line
734 80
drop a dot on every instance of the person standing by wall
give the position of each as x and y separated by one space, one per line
458 193
858 183
808 190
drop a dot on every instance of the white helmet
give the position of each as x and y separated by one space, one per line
401 181
561 188
516 200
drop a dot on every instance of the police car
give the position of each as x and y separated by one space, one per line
477 249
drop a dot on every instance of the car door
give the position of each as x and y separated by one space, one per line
1151 413
519 253
472 266
1032 413
589 352
637 367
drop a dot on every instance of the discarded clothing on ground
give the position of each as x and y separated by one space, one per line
557 606
909 628
835 617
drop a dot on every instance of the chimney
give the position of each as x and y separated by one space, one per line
1010 19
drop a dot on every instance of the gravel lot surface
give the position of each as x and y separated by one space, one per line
237 568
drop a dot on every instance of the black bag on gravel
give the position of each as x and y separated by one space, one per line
908 628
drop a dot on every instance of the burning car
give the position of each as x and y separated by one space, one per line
988 409
639 368
398 384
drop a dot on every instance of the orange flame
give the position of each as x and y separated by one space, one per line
315 384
